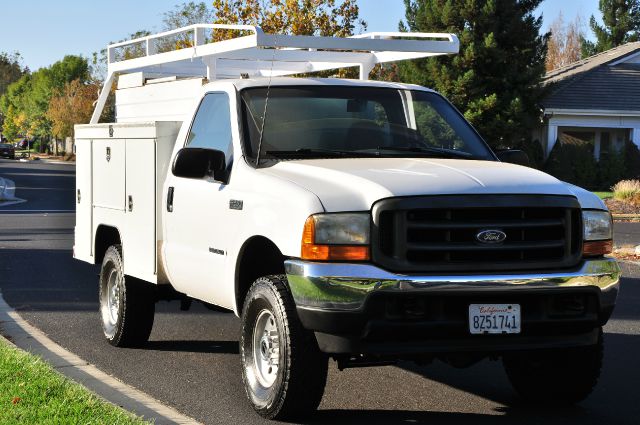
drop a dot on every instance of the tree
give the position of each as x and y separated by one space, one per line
299 17
621 24
10 71
565 44
186 14
71 105
27 100
495 79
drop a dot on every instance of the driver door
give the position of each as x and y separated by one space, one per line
196 234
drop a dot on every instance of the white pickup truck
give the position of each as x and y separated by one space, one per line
362 221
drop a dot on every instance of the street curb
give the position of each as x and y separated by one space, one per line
28 338
626 216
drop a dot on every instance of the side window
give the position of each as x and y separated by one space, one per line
435 128
211 127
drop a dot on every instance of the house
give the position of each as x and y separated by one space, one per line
595 100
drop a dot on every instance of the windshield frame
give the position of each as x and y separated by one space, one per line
250 157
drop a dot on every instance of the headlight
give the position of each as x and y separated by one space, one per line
598 233
342 229
341 237
597 225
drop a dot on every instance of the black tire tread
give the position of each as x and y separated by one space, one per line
137 316
303 386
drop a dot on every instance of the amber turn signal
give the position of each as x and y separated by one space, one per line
311 251
597 248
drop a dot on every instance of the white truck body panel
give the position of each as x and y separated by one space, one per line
121 169
156 100
356 184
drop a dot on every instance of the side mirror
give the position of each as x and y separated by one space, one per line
198 163
514 156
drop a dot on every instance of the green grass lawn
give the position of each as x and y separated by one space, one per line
31 392
604 195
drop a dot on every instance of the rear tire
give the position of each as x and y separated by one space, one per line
556 377
283 371
127 305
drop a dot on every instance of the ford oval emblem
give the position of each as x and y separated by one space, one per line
491 236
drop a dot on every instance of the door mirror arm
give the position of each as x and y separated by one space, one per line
513 156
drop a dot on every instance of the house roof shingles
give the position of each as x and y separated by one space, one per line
594 84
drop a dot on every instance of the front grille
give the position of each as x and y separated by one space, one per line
439 233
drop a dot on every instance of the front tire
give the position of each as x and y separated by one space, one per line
127 305
283 371
556 377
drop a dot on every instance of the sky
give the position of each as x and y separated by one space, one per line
45 31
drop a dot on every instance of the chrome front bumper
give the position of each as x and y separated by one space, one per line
344 287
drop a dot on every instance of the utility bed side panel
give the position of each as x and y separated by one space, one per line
122 168
83 232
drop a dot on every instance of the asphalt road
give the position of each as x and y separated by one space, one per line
627 234
192 364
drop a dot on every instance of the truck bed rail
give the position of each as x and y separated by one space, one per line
251 52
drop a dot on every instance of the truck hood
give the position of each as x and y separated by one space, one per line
356 184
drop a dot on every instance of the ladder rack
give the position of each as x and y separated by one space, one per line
257 54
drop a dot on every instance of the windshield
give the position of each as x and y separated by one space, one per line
342 121
4 145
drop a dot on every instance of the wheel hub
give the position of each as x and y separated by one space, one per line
266 352
113 297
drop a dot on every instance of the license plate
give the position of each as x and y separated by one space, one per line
494 318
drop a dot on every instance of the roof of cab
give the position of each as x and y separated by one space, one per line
241 84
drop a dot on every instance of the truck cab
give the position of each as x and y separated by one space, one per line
361 221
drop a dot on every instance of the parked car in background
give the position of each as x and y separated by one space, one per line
7 151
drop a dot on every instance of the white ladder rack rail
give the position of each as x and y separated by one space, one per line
260 55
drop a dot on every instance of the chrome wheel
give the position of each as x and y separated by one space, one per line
113 297
266 349
110 300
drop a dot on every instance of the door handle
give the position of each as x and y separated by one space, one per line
170 199
130 203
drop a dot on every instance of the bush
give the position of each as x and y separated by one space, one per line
631 161
626 190
573 163
611 170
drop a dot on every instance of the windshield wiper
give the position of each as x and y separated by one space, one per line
450 153
322 152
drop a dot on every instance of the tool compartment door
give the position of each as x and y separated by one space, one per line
140 214
108 158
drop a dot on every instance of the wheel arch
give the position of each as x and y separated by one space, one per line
106 236
258 256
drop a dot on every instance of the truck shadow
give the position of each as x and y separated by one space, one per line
614 401
213 347
508 416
